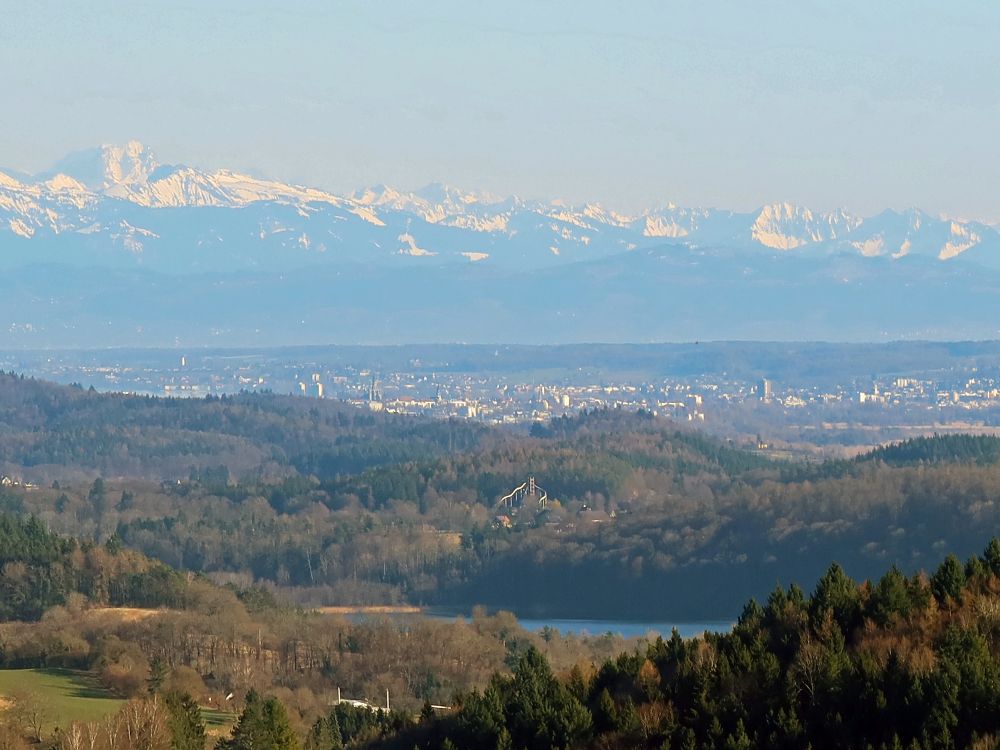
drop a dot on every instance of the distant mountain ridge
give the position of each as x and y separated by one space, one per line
113 248
176 218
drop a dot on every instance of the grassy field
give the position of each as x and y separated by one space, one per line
217 723
69 696
66 695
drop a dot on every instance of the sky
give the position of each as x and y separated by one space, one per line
864 105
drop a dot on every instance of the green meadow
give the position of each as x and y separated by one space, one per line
68 695
65 695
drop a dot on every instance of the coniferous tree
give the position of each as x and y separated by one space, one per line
948 580
324 734
158 671
263 725
185 721
837 593
992 556
98 498
541 712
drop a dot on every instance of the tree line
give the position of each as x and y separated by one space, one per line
648 520
899 662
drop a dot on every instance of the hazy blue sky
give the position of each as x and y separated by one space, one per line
861 104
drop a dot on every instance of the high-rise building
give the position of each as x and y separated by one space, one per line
766 390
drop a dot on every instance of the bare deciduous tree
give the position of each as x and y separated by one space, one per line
30 712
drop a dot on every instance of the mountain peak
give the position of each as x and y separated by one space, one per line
71 200
130 164
785 210
441 193
109 166
786 226
60 181
378 195
9 182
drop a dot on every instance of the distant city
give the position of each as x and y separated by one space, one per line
774 413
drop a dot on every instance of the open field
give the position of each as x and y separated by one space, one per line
68 695
122 614
65 694
217 723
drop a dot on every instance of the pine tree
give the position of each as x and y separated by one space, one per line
324 734
738 740
606 713
263 725
992 556
186 724
948 580
98 498
158 670
540 711
837 593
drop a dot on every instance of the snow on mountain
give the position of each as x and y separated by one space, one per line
482 212
61 183
915 233
704 226
778 226
132 172
57 204
183 186
590 216
443 204
6 181
109 169
782 226
120 193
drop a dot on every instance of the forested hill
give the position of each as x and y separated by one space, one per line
899 662
336 505
39 570
955 449
55 432
977 449
58 432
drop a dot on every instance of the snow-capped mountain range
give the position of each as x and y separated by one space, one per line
118 205
112 248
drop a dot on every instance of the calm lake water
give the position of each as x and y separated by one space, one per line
627 629
600 627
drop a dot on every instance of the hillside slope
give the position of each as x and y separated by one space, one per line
64 432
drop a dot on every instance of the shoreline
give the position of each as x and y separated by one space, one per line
370 609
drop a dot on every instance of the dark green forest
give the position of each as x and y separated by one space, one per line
177 548
39 570
334 505
52 432
898 662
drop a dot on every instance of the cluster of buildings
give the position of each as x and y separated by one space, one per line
511 398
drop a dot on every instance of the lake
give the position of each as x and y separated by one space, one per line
624 628
591 627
